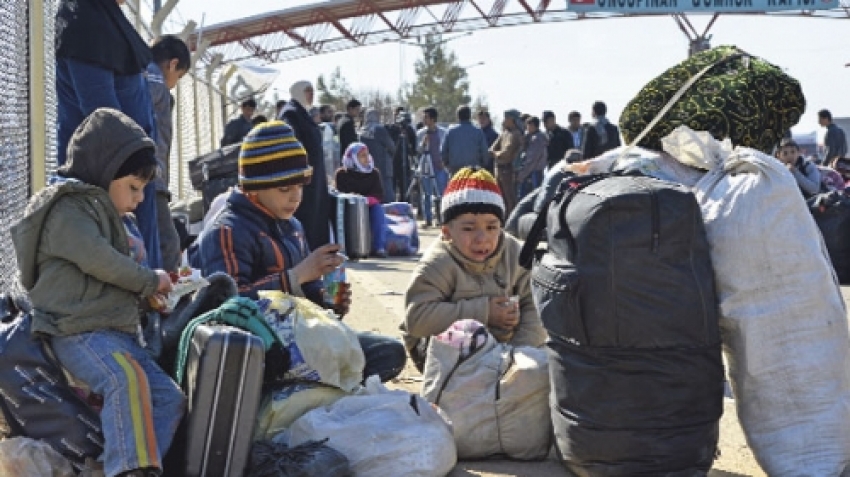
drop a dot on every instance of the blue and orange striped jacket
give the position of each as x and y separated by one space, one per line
254 248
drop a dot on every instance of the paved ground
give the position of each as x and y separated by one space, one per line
378 289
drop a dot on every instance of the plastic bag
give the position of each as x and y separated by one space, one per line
490 391
285 405
697 149
321 347
659 165
783 319
311 459
25 457
383 433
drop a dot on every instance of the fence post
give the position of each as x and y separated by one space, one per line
38 100
214 64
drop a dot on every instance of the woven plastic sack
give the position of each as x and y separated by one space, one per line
491 391
783 320
321 348
746 99
291 401
382 433
25 457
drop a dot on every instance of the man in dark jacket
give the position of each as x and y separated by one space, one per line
490 134
237 128
382 148
346 127
601 136
404 137
560 141
835 141
314 214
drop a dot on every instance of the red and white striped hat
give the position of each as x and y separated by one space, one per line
472 190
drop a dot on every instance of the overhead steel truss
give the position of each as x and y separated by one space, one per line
335 25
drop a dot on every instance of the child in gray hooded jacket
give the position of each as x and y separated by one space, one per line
85 271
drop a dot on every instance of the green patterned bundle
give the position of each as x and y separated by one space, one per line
742 97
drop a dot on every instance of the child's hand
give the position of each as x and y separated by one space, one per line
322 261
503 313
165 284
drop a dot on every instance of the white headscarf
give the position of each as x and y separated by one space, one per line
298 92
350 160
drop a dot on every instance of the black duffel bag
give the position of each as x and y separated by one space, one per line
220 164
35 397
832 214
626 291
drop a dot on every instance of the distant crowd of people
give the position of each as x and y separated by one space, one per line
414 163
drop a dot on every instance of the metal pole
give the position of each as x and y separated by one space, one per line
38 100
180 162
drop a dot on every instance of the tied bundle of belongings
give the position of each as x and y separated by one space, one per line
35 397
491 391
382 433
729 93
626 292
402 237
320 347
783 317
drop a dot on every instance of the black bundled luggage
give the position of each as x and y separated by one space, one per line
215 172
35 398
626 292
832 214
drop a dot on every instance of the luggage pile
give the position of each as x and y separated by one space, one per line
402 236
650 269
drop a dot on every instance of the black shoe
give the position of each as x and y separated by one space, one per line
380 254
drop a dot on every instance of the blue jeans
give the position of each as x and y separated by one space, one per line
385 356
81 88
378 225
433 187
142 405
530 183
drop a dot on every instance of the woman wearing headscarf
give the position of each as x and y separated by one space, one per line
100 63
358 175
376 137
314 212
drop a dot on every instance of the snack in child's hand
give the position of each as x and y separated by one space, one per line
187 280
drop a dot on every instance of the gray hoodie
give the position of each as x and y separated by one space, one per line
72 249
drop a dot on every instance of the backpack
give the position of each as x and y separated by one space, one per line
626 292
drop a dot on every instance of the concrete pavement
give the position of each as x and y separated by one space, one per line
378 287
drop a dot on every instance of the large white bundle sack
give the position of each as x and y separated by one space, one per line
783 319
383 433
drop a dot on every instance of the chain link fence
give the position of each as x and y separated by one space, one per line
22 51
28 113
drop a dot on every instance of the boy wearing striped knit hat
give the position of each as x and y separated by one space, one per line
257 240
472 272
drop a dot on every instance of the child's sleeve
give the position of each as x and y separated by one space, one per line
810 181
530 331
222 250
75 236
428 310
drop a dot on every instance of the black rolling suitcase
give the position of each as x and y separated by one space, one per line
224 372
215 172
351 225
